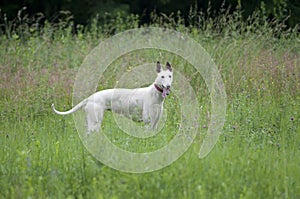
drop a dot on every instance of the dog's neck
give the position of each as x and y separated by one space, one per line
158 88
159 92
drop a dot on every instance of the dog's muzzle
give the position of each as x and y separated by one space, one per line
166 91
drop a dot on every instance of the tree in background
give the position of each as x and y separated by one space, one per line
84 10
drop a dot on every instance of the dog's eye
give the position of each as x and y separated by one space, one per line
170 76
162 76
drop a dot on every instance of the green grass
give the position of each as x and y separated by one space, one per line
257 156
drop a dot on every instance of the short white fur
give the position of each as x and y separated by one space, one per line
145 104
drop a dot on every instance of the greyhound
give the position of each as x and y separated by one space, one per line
145 103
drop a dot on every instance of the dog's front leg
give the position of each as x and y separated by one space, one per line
145 114
156 112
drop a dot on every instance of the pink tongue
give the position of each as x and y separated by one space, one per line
165 92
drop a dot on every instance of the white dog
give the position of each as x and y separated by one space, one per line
146 104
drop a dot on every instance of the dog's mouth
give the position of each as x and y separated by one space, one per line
165 91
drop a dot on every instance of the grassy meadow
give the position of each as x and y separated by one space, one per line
257 155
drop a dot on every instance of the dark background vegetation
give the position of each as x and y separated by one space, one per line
83 11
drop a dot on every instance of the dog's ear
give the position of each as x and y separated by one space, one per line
158 67
169 67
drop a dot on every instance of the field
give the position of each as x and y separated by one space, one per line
256 156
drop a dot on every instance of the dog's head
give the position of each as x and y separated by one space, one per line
164 79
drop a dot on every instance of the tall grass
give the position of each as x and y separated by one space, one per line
257 156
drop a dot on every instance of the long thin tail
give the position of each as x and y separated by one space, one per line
74 109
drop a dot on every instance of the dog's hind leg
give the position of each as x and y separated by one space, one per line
94 117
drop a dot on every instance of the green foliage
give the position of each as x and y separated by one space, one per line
85 10
257 156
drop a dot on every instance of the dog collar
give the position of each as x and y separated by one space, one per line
158 88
